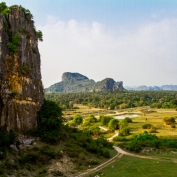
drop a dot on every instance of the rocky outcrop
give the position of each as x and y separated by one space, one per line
108 84
75 82
73 77
21 89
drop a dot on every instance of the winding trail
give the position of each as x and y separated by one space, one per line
116 133
120 153
89 171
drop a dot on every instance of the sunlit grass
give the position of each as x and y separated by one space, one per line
135 167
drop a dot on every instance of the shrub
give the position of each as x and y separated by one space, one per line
13 94
143 140
146 126
39 35
92 130
120 138
37 155
128 120
153 130
173 125
84 140
13 45
47 151
124 131
77 120
25 69
169 120
90 120
6 139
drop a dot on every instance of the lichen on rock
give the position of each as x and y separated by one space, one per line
21 89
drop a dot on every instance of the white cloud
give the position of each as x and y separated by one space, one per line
146 56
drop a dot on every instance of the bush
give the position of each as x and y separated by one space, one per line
92 130
128 120
120 138
143 140
90 120
37 155
84 140
13 45
146 126
173 125
124 131
153 130
25 69
39 35
77 120
6 139
169 120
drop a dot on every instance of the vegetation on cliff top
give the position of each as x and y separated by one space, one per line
14 40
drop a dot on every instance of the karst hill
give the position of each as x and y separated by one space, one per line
75 82
21 89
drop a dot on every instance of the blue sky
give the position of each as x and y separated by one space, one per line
134 41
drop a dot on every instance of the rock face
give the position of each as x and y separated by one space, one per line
75 82
73 77
108 84
21 89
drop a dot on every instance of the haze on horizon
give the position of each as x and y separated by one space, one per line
134 41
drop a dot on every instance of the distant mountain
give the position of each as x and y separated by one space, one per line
75 82
169 87
143 87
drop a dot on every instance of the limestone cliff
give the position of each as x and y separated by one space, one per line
21 89
75 82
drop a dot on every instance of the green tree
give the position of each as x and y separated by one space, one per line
39 35
124 131
112 106
105 120
90 120
113 124
50 122
92 130
78 119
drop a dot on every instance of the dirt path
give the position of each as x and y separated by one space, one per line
118 156
103 128
100 166
111 138
119 150
116 133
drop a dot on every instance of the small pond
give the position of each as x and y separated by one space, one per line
126 115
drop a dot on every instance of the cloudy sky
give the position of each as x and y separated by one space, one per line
134 41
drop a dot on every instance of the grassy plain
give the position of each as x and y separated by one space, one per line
155 118
128 166
136 167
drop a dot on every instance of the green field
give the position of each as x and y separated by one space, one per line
128 166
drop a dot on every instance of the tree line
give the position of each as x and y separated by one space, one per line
116 100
